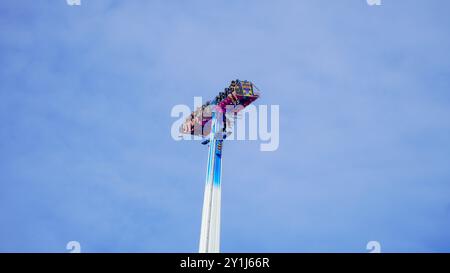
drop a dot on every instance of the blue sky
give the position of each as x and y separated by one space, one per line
85 146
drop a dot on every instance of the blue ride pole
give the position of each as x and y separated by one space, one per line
210 228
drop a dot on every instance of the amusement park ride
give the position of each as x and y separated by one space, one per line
210 122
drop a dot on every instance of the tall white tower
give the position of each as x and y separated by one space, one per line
210 229
233 99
